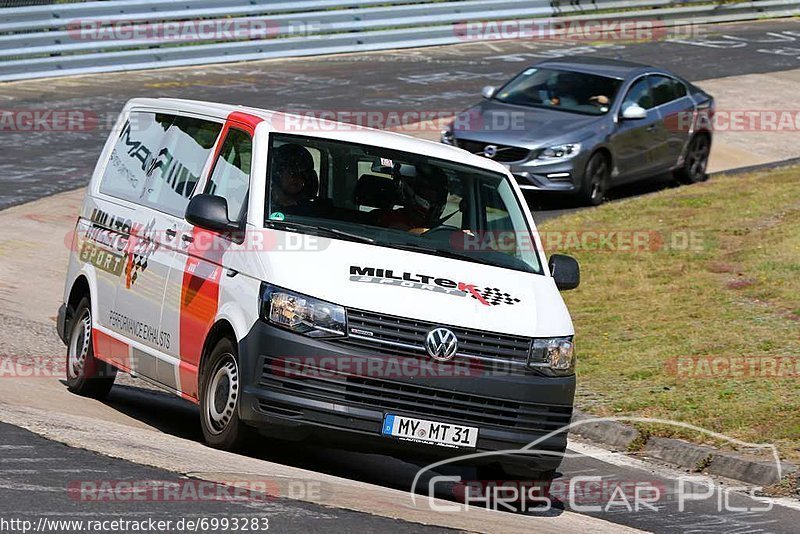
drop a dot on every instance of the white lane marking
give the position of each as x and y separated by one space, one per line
15 447
26 460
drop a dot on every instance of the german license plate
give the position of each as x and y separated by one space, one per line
423 431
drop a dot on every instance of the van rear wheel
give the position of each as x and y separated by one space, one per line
220 391
86 375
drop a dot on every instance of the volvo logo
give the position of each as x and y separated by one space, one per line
490 151
441 344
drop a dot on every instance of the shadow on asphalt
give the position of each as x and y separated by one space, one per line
180 418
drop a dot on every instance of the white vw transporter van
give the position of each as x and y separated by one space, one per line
298 278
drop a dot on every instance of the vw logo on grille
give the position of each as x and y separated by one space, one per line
441 344
490 151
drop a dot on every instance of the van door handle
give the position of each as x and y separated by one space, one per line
186 238
170 232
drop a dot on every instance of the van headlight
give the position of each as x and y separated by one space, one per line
554 356
301 313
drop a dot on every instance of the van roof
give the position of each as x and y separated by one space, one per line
277 122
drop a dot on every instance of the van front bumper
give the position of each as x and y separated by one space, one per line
291 388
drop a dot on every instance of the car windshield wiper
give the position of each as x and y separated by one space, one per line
324 230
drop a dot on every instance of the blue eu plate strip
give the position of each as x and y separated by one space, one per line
388 424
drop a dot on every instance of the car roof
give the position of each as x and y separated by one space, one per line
614 68
276 121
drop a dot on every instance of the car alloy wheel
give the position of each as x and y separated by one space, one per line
596 180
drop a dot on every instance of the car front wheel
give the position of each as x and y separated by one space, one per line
595 180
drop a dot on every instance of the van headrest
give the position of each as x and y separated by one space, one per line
375 192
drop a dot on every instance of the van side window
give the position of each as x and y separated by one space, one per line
180 160
230 178
133 155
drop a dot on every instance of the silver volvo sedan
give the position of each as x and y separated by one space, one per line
582 125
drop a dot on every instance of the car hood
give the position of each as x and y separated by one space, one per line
422 286
501 123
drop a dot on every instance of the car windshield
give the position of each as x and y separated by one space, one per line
563 90
384 197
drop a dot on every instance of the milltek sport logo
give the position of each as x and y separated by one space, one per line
488 296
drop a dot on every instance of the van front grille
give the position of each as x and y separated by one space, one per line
396 397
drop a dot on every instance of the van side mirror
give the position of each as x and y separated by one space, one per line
211 213
489 91
566 271
634 112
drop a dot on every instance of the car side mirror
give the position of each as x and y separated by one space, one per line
489 91
634 112
566 271
211 213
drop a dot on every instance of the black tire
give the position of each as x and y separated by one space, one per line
595 180
695 162
220 389
86 375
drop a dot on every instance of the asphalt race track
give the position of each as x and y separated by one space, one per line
34 164
37 164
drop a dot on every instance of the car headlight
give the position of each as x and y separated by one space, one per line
559 152
301 313
553 356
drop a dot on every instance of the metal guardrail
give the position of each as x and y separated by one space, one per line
53 40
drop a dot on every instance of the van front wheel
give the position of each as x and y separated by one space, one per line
220 390
86 375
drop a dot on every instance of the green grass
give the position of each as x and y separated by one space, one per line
734 291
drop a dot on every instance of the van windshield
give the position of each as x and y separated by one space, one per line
395 199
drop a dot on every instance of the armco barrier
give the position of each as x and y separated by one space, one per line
50 40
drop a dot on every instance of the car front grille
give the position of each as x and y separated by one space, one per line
504 153
390 396
392 335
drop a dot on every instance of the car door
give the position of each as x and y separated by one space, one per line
635 143
176 169
677 111
195 279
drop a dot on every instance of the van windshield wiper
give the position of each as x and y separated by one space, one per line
441 252
322 230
